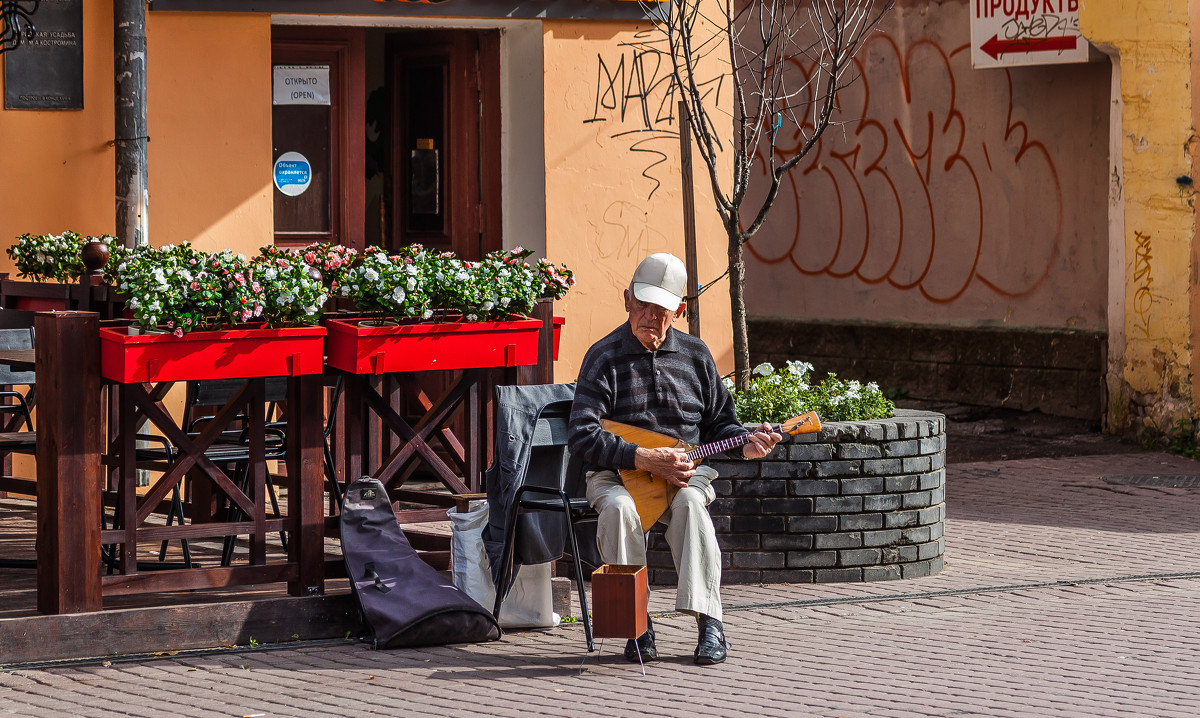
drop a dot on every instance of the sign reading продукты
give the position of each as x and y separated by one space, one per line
46 72
1005 33
301 85
293 173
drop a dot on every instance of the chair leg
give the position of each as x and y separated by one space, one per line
271 493
583 604
176 511
335 489
234 513
506 556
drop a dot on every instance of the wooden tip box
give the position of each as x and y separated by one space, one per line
620 600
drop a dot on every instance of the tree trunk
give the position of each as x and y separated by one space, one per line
737 306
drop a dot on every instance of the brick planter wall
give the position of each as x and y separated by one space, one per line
859 501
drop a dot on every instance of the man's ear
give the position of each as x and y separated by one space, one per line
626 295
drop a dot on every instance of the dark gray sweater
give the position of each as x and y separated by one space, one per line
675 391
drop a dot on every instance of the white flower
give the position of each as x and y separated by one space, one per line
371 275
764 369
799 368
398 295
427 314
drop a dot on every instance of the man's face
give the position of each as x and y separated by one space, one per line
648 321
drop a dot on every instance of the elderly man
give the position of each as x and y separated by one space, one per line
647 374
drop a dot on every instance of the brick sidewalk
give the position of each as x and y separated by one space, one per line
1062 595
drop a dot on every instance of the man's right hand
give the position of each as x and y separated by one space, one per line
667 462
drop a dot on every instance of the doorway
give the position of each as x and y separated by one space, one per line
403 149
442 182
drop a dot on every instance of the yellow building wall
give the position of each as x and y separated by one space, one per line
209 92
613 181
209 119
58 164
1153 43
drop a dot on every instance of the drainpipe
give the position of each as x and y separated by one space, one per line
133 187
129 66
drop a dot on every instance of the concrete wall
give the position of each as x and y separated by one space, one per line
605 156
1152 380
962 197
210 138
613 188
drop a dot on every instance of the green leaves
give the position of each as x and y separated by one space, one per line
777 395
417 283
185 289
52 256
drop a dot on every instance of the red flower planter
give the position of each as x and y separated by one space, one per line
558 324
356 349
224 354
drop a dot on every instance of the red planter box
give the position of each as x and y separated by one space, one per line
558 324
224 354
357 349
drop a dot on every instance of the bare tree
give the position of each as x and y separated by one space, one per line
787 60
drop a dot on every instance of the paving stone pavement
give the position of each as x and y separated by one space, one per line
1062 595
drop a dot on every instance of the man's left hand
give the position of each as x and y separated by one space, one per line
762 441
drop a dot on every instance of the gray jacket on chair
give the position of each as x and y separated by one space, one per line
542 534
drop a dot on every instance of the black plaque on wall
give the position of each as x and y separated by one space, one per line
46 73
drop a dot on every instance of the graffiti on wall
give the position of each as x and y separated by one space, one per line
916 195
1143 279
635 94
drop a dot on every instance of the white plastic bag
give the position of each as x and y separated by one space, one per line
529 604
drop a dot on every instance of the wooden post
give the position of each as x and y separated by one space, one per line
69 476
689 220
543 371
306 476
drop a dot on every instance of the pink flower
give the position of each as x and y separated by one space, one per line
178 331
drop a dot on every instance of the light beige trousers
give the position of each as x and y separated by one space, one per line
690 534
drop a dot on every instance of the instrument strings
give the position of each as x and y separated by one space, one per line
717 447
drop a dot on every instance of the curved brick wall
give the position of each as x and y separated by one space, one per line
859 501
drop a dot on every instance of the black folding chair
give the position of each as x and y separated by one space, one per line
549 476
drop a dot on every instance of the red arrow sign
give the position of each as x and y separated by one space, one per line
997 47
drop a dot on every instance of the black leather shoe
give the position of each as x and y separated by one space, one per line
712 646
643 645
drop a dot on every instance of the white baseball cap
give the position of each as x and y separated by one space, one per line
661 279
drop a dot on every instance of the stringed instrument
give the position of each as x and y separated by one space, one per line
653 494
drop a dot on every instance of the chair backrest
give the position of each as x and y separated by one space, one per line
16 338
548 454
216 392
548 457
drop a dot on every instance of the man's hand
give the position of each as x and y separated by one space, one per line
762 441
667 462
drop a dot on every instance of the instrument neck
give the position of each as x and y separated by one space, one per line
716 447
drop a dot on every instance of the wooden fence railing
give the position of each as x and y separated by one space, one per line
86 453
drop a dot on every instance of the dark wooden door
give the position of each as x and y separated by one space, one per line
325 137
444 142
